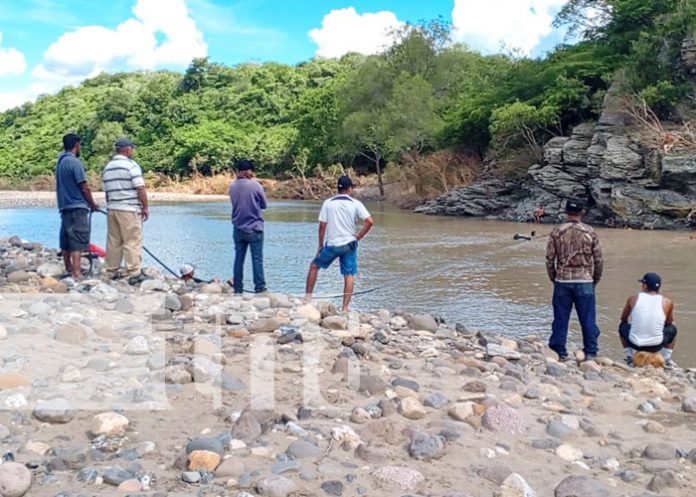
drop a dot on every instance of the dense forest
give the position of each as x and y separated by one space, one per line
422 97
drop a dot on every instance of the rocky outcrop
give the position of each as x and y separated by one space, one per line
624 182
688 55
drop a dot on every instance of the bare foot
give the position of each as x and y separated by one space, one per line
307 298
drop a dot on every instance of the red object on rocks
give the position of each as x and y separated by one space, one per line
97 250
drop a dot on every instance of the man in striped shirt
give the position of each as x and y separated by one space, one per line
126 201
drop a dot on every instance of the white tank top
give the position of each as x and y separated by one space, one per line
647 320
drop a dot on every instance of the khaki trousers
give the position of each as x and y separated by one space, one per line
124 241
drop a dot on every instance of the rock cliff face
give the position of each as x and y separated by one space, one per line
624 182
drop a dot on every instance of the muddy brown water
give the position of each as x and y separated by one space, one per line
464 270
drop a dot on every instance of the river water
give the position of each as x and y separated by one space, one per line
465 270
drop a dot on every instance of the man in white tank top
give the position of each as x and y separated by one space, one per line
651 327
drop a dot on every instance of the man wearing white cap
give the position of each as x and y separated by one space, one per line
126 202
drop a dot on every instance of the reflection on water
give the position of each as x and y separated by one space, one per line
465 270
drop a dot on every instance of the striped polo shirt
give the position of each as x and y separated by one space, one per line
121 179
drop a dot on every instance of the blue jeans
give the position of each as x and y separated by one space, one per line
347 255
582 295
242 241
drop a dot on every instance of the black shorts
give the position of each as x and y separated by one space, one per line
74 230
669 334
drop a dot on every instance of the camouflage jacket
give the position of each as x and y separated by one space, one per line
574 254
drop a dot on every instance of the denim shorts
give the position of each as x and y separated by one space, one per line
347 254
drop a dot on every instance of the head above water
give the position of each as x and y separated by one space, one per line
345 184
71 143
651 282
574 207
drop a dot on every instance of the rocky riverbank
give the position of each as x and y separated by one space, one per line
626 179
169 389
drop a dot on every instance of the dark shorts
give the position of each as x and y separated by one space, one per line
347 254
669 334
74 230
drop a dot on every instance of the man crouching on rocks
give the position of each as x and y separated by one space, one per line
574 264
651 328
337 238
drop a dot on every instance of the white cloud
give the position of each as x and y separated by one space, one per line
519 24
11 61
133 44
344 30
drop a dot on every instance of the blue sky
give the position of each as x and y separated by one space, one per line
46 44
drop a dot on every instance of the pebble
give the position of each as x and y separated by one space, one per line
660 451
15 479
131 485
285 467
9 381
360 416
210 444
504 419
276 486
654 427
399 477
191 476
301 449
71 374
58 411
3 332
515 486
116 475
581 486
309 312
403 382
557 429
203 460
334 323
569 453
109 424
411 408
333 487
435 400
689 405
461 411
137 346
425 447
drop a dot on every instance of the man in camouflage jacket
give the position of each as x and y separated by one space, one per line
574 265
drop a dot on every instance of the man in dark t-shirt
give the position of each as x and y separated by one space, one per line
248 201
74 202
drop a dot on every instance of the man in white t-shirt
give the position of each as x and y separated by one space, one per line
651 327
338 238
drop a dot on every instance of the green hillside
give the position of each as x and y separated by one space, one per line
421 96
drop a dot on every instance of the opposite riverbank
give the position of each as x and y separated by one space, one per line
17 198
175 389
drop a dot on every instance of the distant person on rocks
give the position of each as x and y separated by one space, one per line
539 213
574 264
338 238
126 201
74 202
647 321
248 201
